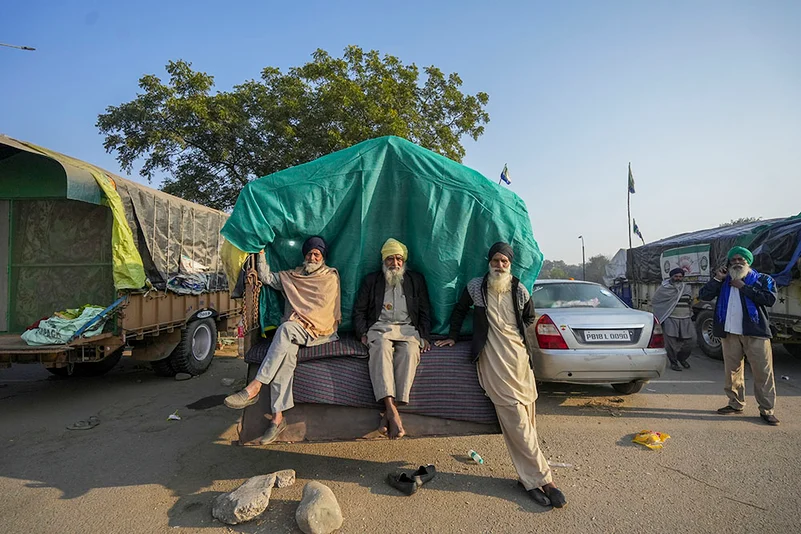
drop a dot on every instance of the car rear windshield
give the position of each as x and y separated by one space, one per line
573 295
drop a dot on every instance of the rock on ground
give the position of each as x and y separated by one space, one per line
183 376
319 511
284 478
250 499
246 502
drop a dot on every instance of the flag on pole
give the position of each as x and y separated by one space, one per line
505 175
631 181
636 230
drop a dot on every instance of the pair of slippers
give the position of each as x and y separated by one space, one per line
408 482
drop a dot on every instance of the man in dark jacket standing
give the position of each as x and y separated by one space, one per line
392 317
502 312
741 323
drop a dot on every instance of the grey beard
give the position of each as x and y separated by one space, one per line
310 267
394 277
738 272
500 282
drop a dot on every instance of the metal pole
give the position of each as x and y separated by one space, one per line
18 47
633 266
583 262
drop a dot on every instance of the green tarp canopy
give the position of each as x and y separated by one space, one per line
448 215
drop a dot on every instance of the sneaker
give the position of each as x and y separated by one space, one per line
675 366
728 410
770 419
685 364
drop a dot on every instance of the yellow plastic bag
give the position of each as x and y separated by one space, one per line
651 439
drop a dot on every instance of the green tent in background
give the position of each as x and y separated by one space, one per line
448 215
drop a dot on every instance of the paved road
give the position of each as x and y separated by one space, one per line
138 472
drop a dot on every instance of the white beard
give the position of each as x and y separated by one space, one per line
738 272
311 267
394 277
500 282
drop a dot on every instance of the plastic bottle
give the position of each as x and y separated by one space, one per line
476 458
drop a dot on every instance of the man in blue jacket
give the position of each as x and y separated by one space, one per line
741 323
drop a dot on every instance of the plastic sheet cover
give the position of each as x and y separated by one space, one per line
447 214
776 244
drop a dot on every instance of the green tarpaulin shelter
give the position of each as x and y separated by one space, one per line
447 214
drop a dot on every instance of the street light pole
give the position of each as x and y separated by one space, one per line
18 47
583 263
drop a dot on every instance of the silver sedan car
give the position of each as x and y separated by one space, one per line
584 334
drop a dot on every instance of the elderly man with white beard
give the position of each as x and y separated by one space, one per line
741 322
392 317
502 311
311 317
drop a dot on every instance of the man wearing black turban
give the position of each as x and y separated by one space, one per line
312 315
502 311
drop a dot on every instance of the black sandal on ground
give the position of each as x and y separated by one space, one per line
424 474
403 483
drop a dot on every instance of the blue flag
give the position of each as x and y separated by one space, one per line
505 175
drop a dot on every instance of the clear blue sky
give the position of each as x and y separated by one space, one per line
703 98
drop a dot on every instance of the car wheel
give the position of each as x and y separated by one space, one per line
629 388
196 350
707 340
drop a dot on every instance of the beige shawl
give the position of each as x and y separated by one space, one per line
314 299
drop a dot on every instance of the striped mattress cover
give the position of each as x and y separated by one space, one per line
446 384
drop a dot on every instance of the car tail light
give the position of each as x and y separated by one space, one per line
657 338
548 335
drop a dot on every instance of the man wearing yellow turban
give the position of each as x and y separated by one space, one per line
392 317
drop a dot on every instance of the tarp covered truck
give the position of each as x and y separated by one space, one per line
776 244
72 235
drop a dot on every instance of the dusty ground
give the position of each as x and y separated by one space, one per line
137 472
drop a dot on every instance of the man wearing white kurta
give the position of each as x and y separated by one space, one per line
503 310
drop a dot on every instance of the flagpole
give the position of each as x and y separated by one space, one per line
628 203
633 266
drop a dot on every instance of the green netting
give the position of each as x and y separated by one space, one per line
447 214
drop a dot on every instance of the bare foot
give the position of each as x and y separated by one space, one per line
396 430
383 425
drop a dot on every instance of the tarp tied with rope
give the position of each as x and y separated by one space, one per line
447 214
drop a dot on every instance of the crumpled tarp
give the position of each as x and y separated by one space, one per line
448 215
127 263
775 243
59 330
151 230
616 268
168 229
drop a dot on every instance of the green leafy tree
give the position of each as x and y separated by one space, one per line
596 268
741 220
209 145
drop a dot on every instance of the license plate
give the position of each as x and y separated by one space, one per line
594 336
